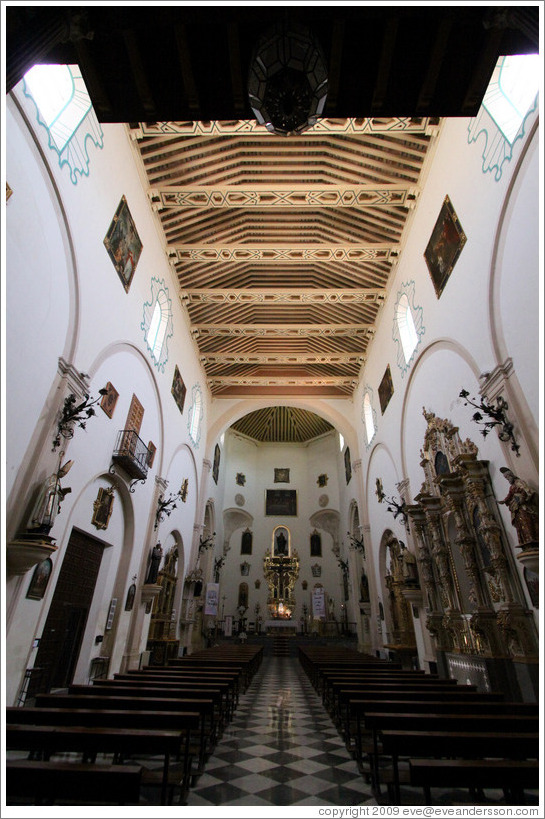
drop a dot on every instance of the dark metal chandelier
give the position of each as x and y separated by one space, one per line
287 84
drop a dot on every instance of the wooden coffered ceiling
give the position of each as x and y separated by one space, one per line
282 425
283 247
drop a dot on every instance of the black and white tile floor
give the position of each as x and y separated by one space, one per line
280 749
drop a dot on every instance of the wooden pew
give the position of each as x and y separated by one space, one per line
462 744
40 782
228 684
183 721
48 740
125 688
105 701
337 685
345 691
452 702
513 776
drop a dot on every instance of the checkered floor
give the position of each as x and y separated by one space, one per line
280 749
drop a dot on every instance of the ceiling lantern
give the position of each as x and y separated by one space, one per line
287 84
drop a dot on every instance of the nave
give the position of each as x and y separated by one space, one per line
279 734
281 748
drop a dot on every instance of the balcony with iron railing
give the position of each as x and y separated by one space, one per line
131 454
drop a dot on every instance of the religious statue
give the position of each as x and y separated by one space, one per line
408 565
155 561
48 502
281 542
523 504
364 588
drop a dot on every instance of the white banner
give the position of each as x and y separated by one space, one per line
212 597
318 603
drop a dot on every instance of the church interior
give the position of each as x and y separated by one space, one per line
271 450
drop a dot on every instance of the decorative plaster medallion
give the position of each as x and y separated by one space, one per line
323 500
239 499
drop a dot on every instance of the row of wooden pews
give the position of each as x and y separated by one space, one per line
413 728
168 718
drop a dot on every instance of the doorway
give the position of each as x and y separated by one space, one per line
64 628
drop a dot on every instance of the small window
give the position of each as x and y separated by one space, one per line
195 415
407 330
341 442
157 323
315 544
246 543
408 326
368 418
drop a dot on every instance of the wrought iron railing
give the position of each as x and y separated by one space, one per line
131 454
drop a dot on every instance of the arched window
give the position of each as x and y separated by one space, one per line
510 98
195 415
368 418
157 323
512 91
65 110
315 544
407 330
246 543
243 595
408 327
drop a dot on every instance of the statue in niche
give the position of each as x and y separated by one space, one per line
281 543
408 565
48 502
155 562
523 504
364 588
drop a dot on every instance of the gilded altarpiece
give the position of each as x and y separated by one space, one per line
403 640
281 573
474 600
162 642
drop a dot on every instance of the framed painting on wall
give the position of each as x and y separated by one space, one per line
108 401
40 579
281 502
216 467
386 389
444 247
123 244
281 476
178 389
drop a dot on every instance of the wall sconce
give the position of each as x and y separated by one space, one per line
207 543
218 564
165 507
393 506
357 544
73 413
498 415
343 565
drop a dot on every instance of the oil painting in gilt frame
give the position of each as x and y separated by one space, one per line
109 400
281 502
178 389
40 579
444 247
386 389
123 244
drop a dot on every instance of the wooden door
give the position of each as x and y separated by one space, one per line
64 628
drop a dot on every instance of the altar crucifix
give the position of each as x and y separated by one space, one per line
281 573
